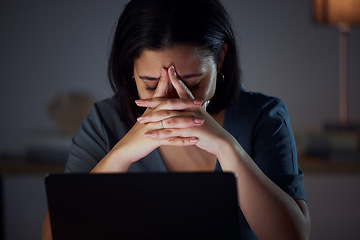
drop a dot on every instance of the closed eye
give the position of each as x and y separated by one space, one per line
149 78
150 88
184 77
189 84
192 87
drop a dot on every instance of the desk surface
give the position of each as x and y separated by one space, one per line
317 165
24 166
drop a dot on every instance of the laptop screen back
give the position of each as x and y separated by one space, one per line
143 206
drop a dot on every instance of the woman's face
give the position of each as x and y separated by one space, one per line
197 70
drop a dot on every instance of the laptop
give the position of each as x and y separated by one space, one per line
193 205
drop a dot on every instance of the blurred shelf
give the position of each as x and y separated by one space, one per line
334 149
24 166
321 165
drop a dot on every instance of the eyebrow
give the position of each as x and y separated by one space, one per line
185 77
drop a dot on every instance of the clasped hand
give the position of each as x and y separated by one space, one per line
184 119
178 121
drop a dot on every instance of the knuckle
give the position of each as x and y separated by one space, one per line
168 132
177 141
172 101
172 140
166 113
190 101
155 134
171 121
190 120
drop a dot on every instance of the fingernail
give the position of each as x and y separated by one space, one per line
199 120
140 119
172 70
139 102
197 102
163 72
148 134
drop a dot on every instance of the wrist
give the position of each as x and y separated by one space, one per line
113 162
228 152
121 155
223 146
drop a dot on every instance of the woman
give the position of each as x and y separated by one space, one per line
179 106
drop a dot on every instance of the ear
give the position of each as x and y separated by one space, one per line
221 57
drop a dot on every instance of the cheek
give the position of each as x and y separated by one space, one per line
211 88
206 90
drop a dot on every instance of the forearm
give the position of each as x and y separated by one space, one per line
270 212
112 163
131 148
46 228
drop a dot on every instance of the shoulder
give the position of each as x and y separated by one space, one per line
254 114
107 106
98 133
257 101
254 105
107 114
106 109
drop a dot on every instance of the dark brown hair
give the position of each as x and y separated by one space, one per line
157 24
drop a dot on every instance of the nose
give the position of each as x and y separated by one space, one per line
171 93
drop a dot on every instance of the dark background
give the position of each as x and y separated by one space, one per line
52 47
56 47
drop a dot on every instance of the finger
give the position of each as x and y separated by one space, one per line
163 84
156 116
150 102
168 133
176 122
179 85
175 137
182 122
179 141
182 141
172 104
179 122
171 137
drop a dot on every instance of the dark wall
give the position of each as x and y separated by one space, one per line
53 47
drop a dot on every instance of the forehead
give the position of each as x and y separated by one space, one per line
185 59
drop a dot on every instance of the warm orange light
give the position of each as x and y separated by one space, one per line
335 12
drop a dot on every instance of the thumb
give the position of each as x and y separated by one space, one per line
162 86
180 87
